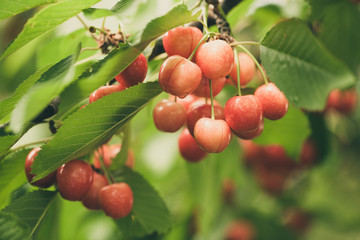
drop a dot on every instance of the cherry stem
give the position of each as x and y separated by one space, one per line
88 49
212 101
175 99
256 63
244 43
87 27
205 16
197 46
237 71
103 167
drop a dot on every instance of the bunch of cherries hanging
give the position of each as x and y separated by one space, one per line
198 67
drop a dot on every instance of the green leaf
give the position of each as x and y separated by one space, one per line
121 6
12 174
300 66
121 157
31 208
49 86
290 131
88 128
238 13
47 19
95 13
6 142
149 208
131 227
9 8
12 228
8 105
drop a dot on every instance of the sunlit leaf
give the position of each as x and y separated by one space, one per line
10 8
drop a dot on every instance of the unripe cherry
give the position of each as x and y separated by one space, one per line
243 113
182 41
135 73
116 200
247 70
44 182
179 76
108 153
169 116
203 89
91 199
274 102
212 135
215 59
105 90
189 148
74 179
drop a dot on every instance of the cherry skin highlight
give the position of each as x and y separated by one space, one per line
169 116
108 153
275 104
189 148
247 70
91 199
105 90
179 76
44 182
212 135
116 200
135 73
182 41
203 89
243 113
74 179
215 59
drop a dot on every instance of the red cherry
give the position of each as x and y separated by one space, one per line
135 73
275 104
215 59
247 70
108 153
199 110
243 113
203 89
275 155
189 148
116 200
252 153
74 179
105 90
169 116
271 179
212 135
179 76
91 199
44 182
342 101
308 153
251 134
240 230
186 101
181 41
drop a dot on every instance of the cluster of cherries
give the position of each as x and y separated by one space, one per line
194 80
76 180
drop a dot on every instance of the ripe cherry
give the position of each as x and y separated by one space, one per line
342 101
215 59
182 41
44 182
169 116
105 90
252 153
91 199
212 135
240 230
179 76
189 148
116 200
247 70
243 113
135 73
275 155
275 104
203 89
74 179
251 134
186 101
108 153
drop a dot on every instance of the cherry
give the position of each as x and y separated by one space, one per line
203 89
91 199
108 153
308 153
44 182
247 70
212 135
179 76
243 113
343 101
251 134
169 116
275 155
105 90
135 73
215 59
182 41
198 110
275 104
186 101
297 219
240 230
74 179
116 200
189 148
252 153
271 179
228 191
